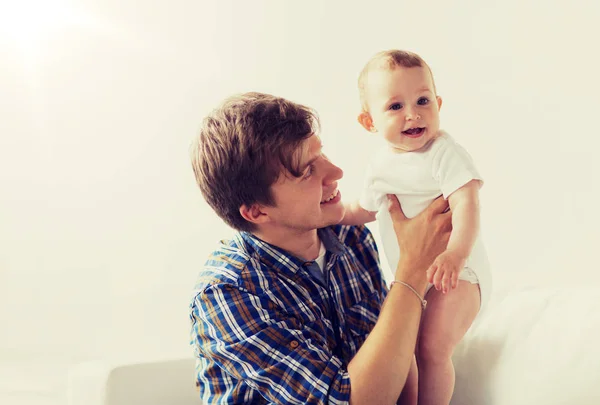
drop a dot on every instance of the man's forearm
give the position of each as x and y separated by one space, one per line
379 369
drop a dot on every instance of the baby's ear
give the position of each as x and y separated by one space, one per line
364 119
439 101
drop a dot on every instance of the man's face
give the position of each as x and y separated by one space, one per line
311 201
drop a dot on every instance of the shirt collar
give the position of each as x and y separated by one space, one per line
280 259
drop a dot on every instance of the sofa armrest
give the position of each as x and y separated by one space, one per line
535 346
155 383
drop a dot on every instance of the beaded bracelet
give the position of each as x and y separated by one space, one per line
423 301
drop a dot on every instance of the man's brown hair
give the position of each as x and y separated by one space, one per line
244 146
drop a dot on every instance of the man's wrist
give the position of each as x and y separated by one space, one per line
412 289
408 272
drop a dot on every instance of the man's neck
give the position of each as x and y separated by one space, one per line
302 244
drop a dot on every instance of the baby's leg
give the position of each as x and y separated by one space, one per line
409 393
445 322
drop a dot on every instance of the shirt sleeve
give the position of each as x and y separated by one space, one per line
254 340
453 167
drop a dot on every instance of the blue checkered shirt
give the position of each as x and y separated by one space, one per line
269 328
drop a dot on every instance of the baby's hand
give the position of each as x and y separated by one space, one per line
444 271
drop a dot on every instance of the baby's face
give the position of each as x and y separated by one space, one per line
403 106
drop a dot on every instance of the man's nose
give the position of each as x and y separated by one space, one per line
334 173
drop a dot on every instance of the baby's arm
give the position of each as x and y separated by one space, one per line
464 205
357 215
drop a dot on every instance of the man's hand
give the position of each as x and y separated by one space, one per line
422 238
444 271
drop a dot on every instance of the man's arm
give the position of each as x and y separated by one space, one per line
379 369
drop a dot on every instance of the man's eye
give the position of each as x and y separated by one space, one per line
396 106
309 171
423 101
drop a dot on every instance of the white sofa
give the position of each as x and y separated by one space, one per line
154 383
533 346
37 379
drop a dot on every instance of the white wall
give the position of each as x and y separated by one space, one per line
102 228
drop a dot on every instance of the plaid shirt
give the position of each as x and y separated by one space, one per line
265 330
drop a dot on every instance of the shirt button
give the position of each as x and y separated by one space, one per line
294 344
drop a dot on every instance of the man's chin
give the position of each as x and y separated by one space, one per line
338 218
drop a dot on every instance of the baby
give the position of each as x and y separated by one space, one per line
419 163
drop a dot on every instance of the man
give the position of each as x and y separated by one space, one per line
294 309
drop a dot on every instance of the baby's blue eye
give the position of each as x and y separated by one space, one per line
396 106
423 101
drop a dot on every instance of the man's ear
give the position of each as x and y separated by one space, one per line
364 119
253 214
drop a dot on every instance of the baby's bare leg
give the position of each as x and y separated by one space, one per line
411 387
445 322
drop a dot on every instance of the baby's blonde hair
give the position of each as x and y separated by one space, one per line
389 60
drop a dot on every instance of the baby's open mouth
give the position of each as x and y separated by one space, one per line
413 131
